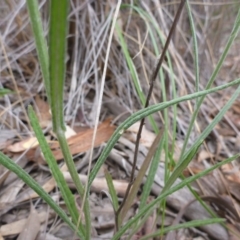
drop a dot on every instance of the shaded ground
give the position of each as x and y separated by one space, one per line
89 31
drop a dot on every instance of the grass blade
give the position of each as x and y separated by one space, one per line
168 192
25 177
194 223
57 55
216 120
143 113
151 175
231 39
180 167
57 52
40 41
5 91
56 172
112 191
134 75
195 45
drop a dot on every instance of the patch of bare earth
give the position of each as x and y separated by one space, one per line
23 215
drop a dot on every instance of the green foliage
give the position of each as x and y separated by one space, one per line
5 91
53 66
25 177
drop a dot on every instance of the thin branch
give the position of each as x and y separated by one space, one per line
152 81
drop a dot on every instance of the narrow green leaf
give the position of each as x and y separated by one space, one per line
134 75
112 190
25 177
53 69
57 56
191 224
57 52
143 113
195 46
216 120
230 41
57 174
4 91
40 41
151 175
74 174
179 168
168 192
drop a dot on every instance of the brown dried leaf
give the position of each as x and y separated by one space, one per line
234 232
69 132
10 194
5 136
82 141
48 187
149 225
99 184
234 188
28 143
147 137
230 173
236 107
234 117
225 132
203 155
32 226
43 112
18 226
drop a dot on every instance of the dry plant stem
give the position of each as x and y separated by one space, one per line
137 182
152 80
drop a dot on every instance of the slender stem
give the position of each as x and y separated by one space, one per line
75 177
153 78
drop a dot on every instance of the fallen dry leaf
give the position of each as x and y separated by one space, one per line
147 137
203 155
18 226
78 142
99 184
10 194
47 186
234 189
236 107
69 132
32 226
82 141
234 231
43 112
28 143
47 236
231 173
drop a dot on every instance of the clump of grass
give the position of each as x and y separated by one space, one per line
52 57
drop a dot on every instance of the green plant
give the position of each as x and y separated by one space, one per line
4 91
52 64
